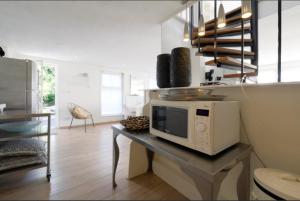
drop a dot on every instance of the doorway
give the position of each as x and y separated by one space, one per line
48 92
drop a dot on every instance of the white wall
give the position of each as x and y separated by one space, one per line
85 91
73 86
269 122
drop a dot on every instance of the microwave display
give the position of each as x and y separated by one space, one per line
171 120
201 112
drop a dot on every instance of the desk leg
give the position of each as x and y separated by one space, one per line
150 155
243 184
209 190
115 158
48 148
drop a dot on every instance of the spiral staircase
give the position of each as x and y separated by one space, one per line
226 46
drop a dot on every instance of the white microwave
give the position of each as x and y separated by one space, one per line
206 126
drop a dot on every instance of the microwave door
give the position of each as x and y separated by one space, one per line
177 122
171 120
159 118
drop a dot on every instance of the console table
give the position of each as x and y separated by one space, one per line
207 172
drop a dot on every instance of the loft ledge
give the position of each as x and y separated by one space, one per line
282 84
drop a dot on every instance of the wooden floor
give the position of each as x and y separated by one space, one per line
81 166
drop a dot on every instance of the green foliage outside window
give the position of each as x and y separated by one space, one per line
48 86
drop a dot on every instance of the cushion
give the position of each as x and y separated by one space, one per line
7 163
22 147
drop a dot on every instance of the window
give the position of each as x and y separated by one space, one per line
152 84
140 83
268 42
290 62
111 94
137 86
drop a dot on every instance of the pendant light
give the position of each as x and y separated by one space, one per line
221 16
246 9
201 24
186 34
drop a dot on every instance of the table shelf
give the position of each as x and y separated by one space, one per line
40 130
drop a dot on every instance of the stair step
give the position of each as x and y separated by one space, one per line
235 20
224 32
221 51
238 75
229 14
209 54
230 22
224 42
230 63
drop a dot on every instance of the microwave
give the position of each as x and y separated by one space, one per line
206 126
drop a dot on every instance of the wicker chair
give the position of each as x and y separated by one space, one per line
78 112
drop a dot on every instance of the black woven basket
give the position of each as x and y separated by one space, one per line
180 71
163 70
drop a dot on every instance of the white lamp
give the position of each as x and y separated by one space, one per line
186 34
201 26
246 9
221 17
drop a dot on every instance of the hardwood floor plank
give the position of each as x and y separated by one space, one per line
81 165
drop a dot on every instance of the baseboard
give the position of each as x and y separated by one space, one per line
89 124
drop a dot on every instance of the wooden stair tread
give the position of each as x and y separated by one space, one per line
224 32
226 50
211 54
229 21
238 75
221 41
229 14
235 20
230 63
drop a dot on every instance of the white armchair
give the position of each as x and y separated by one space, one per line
78 112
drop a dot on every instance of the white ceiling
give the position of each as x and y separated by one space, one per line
114 34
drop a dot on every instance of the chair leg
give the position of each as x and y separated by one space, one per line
85 125
71 123
92 120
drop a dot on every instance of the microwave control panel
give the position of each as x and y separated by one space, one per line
202 128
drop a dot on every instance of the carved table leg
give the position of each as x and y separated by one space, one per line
243 184
150 155
115 158
209 190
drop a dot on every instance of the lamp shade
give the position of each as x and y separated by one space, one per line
186 34
246 9
221 17
201 26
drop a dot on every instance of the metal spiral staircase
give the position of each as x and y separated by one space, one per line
226 46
